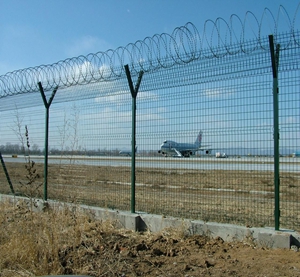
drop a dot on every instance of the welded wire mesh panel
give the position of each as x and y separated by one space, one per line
90 132
289 125
233 110
231 178
20 131
85 134
204 136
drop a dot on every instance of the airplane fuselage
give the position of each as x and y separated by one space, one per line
180 149
170 148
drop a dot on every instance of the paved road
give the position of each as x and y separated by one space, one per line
200 163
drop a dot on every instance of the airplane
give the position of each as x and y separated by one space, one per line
178 149
127 152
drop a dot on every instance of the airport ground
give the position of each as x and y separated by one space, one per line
183 188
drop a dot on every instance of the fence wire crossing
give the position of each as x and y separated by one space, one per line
222 104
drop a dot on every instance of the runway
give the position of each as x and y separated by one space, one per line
287 164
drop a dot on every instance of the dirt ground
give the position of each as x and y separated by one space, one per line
167 255
197 256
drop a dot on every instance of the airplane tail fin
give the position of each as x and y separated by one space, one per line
199 139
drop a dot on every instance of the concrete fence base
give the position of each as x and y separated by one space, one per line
266 237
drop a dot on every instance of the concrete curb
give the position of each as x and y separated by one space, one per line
264 237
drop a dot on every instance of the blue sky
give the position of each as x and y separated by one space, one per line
36 32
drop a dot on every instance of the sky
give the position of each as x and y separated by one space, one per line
39 32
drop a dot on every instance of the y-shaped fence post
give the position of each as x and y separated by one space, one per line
134 92
275 64
47 106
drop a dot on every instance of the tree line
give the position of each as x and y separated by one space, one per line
16 149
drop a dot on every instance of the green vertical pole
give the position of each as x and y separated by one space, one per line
47 106
275 63
7 175
134 92
46 154
133 144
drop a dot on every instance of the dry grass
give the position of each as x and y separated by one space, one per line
66 240
47 242
238 197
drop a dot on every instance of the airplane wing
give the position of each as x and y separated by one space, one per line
203 146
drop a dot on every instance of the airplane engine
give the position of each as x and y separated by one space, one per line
207 152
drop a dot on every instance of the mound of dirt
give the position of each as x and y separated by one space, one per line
165 254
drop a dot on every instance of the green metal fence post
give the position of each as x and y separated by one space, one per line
7 175
47 106
275 63
134 92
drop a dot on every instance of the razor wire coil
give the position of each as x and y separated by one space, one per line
184 45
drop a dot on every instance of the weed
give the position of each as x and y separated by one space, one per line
31 186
